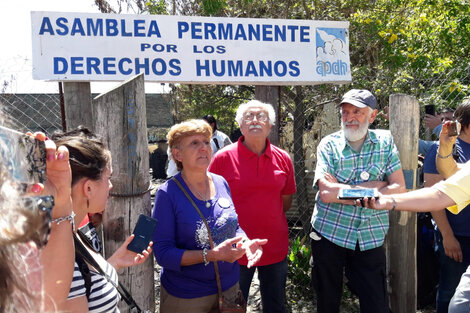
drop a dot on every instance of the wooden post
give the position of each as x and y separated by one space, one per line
120 116
270 94
401 240
77 103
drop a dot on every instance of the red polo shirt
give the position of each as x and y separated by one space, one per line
257 185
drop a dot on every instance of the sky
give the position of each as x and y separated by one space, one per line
16 50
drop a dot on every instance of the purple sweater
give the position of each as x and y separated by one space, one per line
181 228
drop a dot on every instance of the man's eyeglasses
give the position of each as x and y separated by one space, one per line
261 117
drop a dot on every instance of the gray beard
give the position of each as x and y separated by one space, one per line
355 135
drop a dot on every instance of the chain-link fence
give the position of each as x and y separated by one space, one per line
308 113
33 112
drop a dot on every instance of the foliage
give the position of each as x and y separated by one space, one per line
406 46
155 7
195 101
298 273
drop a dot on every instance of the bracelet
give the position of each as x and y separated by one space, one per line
204 256
394 204
69 218
443 157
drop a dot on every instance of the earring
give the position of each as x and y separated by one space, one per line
87 203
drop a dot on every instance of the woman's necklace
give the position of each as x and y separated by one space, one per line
208 204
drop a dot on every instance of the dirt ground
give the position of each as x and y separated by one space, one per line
350 304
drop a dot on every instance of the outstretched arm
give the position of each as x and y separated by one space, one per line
421 200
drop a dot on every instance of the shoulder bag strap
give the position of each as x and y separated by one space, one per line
82 251
216 266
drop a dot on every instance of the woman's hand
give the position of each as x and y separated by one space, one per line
126 258
446 142
382 203
59 177
226 251
253 250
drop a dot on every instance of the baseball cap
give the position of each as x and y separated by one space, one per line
361 98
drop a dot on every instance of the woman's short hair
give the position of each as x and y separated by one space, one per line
88 155
184 129
258 104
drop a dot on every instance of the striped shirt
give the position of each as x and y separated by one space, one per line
348 225
104 297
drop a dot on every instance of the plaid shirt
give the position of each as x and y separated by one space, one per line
347 225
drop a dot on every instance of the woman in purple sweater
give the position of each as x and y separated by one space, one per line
188 280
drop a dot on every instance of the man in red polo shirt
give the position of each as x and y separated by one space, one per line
261 180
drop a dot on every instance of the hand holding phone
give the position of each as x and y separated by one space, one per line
358 193
143 232
430 109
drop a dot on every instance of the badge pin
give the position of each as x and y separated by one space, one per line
224 203
365 175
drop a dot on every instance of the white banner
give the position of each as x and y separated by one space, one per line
188 49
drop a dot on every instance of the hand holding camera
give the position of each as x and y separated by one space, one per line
59 175
448 136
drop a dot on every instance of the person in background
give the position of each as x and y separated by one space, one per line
188 280
261 178
346 238
434 123
219 139
91 166
172 169
452 231
158 159
36 249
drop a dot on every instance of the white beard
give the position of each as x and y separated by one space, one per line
355 134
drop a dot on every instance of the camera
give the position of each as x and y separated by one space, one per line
25 157
453 128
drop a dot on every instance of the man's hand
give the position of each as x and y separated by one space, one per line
432 121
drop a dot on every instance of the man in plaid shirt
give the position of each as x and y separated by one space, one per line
347 238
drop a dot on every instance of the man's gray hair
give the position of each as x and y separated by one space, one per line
258 104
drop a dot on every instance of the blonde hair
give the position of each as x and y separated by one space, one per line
184 129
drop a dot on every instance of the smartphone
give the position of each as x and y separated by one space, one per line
358 193
24 156
453 129
430 109
143 232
